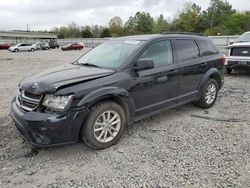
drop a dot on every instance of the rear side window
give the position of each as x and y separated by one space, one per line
186 49
206 48
160 52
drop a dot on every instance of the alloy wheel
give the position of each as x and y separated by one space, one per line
107 126
210 93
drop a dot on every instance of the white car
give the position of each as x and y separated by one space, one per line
239 54
22 47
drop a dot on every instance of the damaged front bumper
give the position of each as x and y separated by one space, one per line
42 129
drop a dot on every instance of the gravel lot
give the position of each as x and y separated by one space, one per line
184 147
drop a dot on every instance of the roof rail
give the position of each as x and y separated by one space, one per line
178 32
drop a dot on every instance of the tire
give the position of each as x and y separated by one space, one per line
229 70
205 101
32 49
96 128
16 50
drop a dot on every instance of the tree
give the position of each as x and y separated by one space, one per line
105 33
160 25
216 15
236 23
141 23
190 18
116 26
86 32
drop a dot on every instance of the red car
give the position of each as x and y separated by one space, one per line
4 46
73 46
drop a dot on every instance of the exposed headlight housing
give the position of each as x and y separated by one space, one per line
57 103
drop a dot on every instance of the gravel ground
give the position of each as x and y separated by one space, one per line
183 147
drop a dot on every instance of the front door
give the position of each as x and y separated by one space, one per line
156 89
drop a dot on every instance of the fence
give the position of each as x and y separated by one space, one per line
220 41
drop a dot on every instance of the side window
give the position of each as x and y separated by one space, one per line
206 48
160 52
186 49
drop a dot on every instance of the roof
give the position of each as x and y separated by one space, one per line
155 36
26 34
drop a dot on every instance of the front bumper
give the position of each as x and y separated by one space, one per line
42 129
238 62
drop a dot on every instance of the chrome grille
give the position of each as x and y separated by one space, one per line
240 51
27 101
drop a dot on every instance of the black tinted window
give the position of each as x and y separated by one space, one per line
186 49
206 48
160 52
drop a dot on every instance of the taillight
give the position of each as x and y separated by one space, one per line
223 59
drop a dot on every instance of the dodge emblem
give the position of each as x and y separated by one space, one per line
35 85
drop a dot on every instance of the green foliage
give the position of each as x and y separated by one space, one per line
218 12
160 25
141 23
105 33
190 18
116 26
235 23
218 19
86 32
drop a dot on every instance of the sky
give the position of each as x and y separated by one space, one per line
46 14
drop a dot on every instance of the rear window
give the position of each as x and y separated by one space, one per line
206 48
186 49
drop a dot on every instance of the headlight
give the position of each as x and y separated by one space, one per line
58 103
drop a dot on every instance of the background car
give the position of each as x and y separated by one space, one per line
5 46
42 46
239 54
22 47
53 44
73 46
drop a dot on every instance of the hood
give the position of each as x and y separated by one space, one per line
239 44
50 80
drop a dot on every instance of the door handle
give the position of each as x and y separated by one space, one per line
174 71
161 79
203 64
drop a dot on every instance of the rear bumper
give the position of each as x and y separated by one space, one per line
42 129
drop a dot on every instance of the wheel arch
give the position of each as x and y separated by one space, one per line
211 74
118 95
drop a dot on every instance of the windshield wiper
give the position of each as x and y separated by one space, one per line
87 64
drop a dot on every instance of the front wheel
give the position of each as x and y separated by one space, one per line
104 125
209 94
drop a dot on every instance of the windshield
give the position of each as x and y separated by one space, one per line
110 54
244 38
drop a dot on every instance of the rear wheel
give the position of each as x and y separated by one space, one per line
32 49
209 94
104 126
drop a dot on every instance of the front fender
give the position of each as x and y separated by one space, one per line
110 92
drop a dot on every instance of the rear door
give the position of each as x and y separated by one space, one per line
191 66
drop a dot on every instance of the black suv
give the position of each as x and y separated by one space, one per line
115 84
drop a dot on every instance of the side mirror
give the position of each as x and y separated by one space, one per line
144 64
